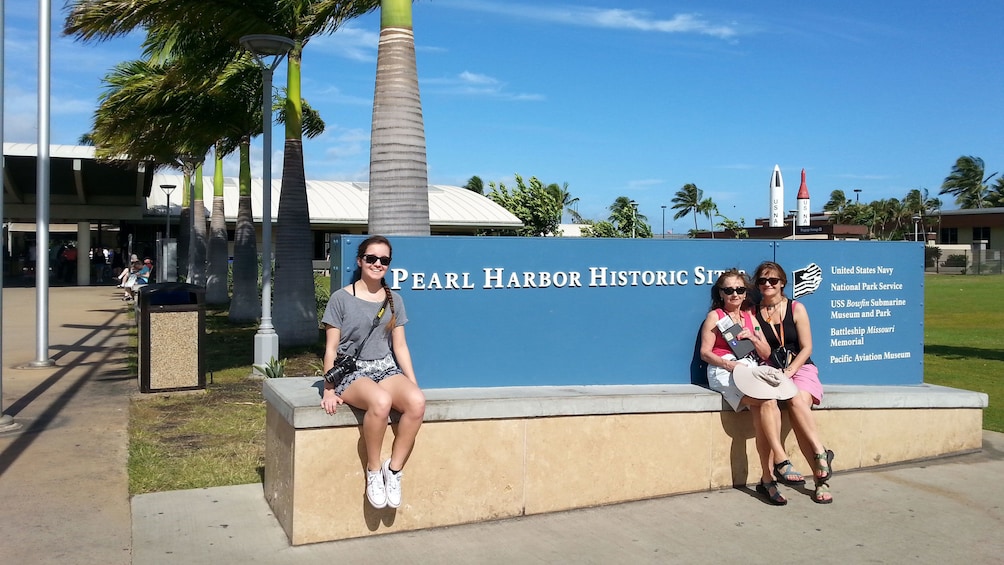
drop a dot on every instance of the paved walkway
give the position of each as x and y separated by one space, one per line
63 482
63 489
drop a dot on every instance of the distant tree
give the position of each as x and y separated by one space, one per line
624 215
474 184
561 194
887 218
918 203
532 203
737 228
837 202
601 228
966 182
707 207
995 198
687 200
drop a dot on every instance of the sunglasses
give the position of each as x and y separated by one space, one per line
740 290
772 281
370 259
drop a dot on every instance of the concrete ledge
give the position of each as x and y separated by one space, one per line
650 441
298 400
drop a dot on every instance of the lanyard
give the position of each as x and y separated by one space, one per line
779 335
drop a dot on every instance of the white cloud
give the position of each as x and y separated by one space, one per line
608 18
469 83
348 42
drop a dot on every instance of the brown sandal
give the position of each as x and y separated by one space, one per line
822 489
825 468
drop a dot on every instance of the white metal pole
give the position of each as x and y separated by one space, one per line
266 218
269 51
42 191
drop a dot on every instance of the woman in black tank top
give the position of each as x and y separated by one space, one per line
786 326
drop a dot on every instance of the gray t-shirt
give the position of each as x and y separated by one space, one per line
354 317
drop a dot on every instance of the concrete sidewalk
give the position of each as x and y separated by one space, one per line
63 482
944 511
64 490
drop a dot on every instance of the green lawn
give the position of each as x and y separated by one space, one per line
963 347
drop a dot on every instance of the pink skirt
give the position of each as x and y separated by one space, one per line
807 379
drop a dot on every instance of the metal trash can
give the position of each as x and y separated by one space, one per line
171 324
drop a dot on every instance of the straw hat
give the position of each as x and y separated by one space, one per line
747 381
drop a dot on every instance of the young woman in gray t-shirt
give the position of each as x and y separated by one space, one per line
384 377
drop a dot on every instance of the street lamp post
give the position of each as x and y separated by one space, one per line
168 189
663 221
916 228
268 51
857 195
165 253
634 218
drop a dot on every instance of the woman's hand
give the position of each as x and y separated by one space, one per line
330 401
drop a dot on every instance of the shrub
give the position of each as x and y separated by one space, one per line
322 292
957 260
931 255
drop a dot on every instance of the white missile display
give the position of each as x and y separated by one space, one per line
802 207
776 198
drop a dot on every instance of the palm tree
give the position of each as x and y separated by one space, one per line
836 204
216 26
217 263
245 306
475 184
562 196
918 203
687 199
625 216
399 186
707 207
995 197
888 215
966 182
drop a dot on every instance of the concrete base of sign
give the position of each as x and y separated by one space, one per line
492 453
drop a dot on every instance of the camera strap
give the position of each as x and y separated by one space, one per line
376 320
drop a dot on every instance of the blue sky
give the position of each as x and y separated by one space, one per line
632 98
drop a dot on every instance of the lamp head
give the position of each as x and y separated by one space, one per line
267 49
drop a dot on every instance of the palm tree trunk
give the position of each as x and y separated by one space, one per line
294 313
199 233
294 310
184 225
216 278
245 306
399 184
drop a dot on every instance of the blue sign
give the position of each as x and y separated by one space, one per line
500 311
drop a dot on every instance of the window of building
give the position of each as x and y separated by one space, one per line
981 234
949 236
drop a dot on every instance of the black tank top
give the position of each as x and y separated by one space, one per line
790 333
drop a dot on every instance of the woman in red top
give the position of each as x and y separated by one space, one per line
730 298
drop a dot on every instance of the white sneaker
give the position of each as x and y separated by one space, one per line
376 493
392 482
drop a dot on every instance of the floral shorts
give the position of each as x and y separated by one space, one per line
375 370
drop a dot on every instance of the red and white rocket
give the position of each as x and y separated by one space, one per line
802 208
776 199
